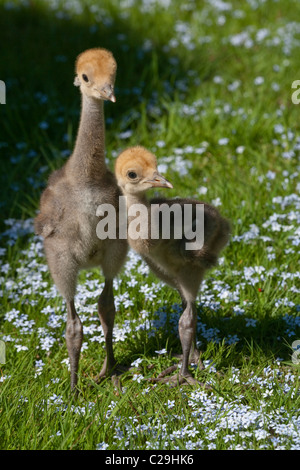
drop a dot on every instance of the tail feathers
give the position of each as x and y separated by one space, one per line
215 239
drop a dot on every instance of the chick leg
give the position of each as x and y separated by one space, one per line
64 269
106 312
195 354
188 287
187 334
74 335
190 354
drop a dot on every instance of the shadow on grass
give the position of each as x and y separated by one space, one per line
225 341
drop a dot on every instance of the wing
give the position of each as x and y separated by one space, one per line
50 216
192 229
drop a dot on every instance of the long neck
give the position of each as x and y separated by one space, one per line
88 158
138 215
137 199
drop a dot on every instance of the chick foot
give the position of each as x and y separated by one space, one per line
113 371
182 379
177 379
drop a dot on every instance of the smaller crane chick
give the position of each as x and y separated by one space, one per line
172 256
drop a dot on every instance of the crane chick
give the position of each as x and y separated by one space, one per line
174 259
68 208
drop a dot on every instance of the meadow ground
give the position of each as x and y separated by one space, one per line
207 86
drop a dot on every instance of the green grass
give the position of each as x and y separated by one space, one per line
208 90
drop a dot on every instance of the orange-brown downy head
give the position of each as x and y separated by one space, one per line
136 171
95 73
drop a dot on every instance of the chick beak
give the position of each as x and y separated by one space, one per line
108 93
158 181
112 98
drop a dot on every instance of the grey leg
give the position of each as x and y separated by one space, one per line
187 334
74 337
188 286
107 311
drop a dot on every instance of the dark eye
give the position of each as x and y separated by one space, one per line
85 77
132 175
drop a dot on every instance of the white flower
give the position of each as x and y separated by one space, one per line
160 143
262 34
125 134
217 202
4 377
102 446
211 446
279 129
137 362
240 149
234 85
271 175
223 141
39 364
218 79
259 80
19 347
267 393
170 404
138 378
202 190
67 362
161 351
261 434
275 86
162 168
